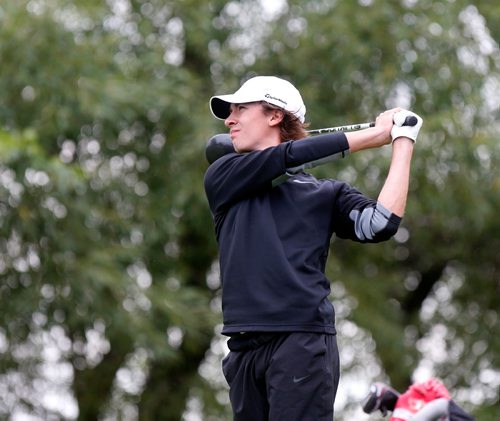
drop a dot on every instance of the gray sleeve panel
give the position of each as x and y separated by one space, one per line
370 222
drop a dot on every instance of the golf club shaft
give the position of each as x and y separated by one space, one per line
409 121
348 128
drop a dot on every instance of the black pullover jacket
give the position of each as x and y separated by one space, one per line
274 241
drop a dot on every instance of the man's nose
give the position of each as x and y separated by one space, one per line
230 120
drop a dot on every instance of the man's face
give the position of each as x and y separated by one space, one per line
250 128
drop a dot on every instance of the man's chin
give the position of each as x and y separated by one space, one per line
242 150
239 149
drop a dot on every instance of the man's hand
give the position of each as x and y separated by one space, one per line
398 130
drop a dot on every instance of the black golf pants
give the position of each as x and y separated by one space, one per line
282 376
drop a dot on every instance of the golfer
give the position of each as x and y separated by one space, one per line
273 243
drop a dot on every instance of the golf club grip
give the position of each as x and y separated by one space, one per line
410 120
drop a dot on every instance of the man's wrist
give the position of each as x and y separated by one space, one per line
402 149
373 137
403 140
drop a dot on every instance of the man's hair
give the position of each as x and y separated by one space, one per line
290 127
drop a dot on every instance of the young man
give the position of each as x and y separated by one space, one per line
273 244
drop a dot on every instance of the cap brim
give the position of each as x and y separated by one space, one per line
221 106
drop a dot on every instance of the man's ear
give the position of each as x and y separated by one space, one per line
276 117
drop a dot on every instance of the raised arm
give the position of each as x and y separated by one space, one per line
395 190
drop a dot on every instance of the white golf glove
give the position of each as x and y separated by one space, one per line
401 127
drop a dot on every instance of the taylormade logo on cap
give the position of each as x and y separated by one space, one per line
270 97
271 89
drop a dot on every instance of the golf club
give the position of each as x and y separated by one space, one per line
221 144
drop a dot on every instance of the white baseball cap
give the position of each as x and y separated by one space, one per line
270 89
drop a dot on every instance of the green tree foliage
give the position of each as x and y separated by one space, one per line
105 243
109 286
